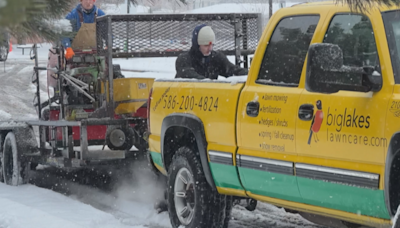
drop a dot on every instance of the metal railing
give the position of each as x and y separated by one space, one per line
162 35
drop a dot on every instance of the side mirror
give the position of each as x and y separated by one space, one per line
327 74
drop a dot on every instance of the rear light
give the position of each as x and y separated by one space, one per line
148 110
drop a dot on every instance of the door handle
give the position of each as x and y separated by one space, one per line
306 112
253 108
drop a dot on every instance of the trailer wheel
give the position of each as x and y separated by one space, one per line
13 167
119 138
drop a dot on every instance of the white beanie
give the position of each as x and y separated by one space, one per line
206 36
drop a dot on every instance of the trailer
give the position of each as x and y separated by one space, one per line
92 103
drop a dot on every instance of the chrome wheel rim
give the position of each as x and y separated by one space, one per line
184 196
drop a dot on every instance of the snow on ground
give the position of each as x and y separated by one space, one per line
16 54
30 206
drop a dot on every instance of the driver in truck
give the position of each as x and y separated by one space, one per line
202 61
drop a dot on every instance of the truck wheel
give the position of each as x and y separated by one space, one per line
13 167
191 201
118 138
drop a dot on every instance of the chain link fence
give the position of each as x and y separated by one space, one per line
169 35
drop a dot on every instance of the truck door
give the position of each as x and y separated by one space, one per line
340 136
267 112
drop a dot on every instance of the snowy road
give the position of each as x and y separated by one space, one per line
16 91
52 200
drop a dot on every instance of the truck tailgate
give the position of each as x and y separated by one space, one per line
214 102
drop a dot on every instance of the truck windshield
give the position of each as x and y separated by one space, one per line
391 20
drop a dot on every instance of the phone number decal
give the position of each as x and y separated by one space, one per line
206 103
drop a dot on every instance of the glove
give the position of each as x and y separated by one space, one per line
69 53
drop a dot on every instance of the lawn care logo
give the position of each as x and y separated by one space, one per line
344 122
347 119
316 122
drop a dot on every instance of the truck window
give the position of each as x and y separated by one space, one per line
284 58
391 20
355 36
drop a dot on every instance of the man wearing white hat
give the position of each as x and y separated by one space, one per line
202 62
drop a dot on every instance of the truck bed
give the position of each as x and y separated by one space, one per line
214 102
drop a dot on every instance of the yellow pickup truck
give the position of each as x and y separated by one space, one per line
314 129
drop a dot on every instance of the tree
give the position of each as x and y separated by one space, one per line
34 18
364 5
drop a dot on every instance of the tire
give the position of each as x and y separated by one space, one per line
119 138
13 167
188 188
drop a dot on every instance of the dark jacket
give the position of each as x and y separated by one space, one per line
194 64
